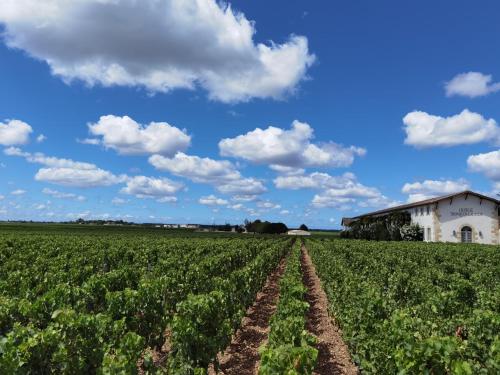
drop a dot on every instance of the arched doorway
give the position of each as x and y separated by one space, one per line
466 234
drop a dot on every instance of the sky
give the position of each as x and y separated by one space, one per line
197 111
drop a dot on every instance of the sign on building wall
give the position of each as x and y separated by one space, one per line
466 212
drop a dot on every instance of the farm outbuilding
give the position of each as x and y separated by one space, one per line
298 232
461 217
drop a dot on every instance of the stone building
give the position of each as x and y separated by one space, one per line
459 217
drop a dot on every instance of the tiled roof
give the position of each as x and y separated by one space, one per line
420 203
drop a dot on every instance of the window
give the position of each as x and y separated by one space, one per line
429 232
428 210
421 211
466 234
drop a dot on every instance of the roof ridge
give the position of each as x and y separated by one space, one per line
424 202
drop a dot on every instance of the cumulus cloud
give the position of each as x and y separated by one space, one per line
288 148
128 137
236 206
242 187
419 191
162 189
471 84
73 177
289 171
167 200
425 130
195 168
220 173
212 200
89 141
244 197
315 180
41 138
117 201
268 205
67 172
18 192
14 132
487 163
336 191
49 161
63 195
157 44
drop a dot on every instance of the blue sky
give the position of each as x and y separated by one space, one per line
360 105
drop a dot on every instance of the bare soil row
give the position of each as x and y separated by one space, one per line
333 354
242 355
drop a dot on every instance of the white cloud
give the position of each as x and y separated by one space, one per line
212 200
73 177
242 187
336 191
18 192
289 171
244 198
89 141
167 200
268 205
67 172
488 164
49 161
128 137
220 173
2 197
419 191
148 187
41 138
315 180
425 130
288 148
40 206
118 201
237 206
204 170
63 195
157 44
14 132
471 84
284 212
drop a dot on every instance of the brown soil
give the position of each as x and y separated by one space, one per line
242 356
333 354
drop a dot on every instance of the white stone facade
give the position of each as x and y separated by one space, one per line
444 221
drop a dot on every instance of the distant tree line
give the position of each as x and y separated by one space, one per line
229 228
396 226
267 227
102 222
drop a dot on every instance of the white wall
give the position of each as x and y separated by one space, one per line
481 216
443 220
425 220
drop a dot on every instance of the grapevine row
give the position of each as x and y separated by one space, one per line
290 349
414 308
74 304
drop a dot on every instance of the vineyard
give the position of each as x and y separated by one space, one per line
86 304
414 308
84 301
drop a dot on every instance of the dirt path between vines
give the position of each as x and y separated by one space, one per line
242 356
333 356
